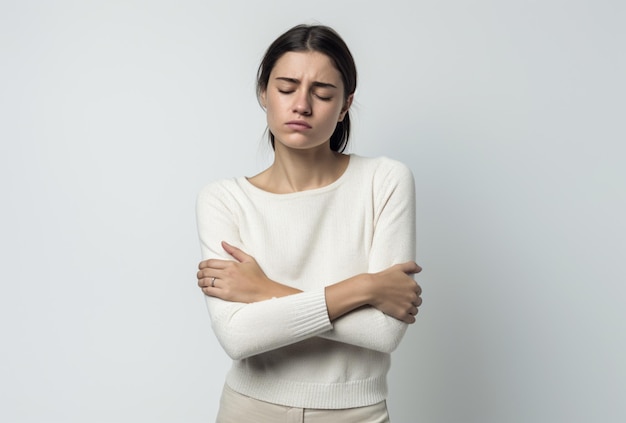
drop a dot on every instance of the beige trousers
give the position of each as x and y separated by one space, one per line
238 408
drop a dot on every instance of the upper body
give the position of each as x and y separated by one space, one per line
286 350
308 266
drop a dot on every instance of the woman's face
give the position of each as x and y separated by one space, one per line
304 100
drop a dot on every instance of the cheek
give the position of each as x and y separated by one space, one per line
271 116
333 115
273 104
270 110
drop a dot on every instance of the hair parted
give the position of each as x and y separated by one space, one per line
321 39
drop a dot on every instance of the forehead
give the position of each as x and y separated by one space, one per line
306 65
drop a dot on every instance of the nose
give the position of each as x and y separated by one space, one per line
302 104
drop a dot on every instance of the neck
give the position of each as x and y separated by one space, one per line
296 170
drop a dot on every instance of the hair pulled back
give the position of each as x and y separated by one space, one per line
321 39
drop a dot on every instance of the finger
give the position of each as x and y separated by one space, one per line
209 282
415 268
204 282
410 315
213 264
235 252
208 273
410 267
209 291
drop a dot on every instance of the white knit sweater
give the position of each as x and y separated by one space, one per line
285 350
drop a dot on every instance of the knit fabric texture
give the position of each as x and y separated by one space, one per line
285 350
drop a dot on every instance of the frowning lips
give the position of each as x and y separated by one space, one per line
298 124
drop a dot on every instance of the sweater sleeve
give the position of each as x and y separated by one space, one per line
242 329
393 242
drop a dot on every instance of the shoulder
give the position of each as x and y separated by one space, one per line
383 169
223 191
389 179
219 187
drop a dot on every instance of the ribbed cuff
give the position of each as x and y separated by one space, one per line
310 314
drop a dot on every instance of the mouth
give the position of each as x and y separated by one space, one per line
298 125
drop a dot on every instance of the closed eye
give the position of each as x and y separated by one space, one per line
321 97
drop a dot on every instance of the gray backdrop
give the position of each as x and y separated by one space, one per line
511 114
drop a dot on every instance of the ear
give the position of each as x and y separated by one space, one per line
262 99
346 107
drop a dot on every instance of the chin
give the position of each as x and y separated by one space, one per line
301 144
306 146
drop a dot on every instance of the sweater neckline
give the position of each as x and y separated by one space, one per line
251 187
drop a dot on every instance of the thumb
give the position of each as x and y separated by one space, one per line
239 255
410 268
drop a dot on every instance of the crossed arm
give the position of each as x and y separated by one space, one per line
392 291
370 310
252 313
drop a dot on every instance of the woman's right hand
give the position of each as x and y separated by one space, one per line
395 292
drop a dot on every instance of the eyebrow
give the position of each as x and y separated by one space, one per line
315 83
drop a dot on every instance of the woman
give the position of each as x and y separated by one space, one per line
308 265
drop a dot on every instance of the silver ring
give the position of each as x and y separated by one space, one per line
213 282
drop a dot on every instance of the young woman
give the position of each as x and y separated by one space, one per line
308 266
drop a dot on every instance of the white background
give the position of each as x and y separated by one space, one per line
511 114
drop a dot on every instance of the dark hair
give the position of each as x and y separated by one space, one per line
324 40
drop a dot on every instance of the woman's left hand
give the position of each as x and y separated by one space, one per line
240 281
